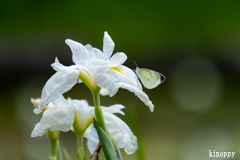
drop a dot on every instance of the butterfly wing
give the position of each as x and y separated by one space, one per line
149 78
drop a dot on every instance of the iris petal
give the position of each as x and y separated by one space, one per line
117 59
80 53
113 80
58 84
54 118
108 46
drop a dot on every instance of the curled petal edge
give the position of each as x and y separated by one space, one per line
141 95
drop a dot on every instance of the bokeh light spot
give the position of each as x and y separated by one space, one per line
196 84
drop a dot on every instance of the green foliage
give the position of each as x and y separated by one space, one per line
58 151
66 154
106 142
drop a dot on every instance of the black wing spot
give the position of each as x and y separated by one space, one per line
162 77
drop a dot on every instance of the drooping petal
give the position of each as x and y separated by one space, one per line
54 119
108 46
117 59
92 138
109 78
80 53
39 130
121 132
143 96
118 129
58 84
131 76
114 109
112 80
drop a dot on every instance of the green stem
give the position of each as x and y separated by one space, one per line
100 121
53 149
80 141
79 134
53 138
98 109
80 150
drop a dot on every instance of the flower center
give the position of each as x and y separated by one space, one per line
116 69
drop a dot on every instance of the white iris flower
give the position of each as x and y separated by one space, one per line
57 115
61 114
96 69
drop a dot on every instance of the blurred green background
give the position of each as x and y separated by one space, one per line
195 44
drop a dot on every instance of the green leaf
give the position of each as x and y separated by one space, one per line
119 154
106 142
58 151
66 154
116 147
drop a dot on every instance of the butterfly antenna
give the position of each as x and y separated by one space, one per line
135 63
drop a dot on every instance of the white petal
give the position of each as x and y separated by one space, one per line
117 59
57 66
104 92
80 53
113 80
143 96
58 84
54 119
39 130
118 129
92 138
83 110
131 76
105 79
94 52
114 109
108 78
108 46
61 102
121 133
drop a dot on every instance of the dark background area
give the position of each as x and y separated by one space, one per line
195 44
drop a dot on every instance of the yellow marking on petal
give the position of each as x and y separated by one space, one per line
116 69
76 114
86 72
57 107
89 121
45 108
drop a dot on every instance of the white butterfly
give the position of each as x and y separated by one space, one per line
149 78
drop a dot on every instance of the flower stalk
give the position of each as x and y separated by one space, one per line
98 109
80 151
100 120
79 134
53 139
